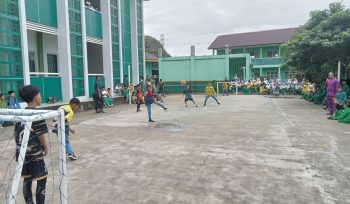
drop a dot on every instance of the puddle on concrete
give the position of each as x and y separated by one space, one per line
170 126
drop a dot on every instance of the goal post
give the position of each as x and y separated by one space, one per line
219 87
28 116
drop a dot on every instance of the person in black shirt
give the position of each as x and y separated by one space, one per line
188 96
34 168
97 96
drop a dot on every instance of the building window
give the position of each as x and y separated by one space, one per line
287 75
272 75
272 53
255 54
52 63
32 62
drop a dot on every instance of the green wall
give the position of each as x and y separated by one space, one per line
93 23
126 30
201 68
42 12
49 87
149 67
76 47
11 69
115 40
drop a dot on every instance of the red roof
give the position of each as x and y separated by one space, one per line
253 38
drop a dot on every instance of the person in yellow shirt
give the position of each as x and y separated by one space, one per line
225 87
69 110
210 92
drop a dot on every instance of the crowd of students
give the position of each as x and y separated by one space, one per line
262 87
333 95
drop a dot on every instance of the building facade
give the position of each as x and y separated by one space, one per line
264 49
62 45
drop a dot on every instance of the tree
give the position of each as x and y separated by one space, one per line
318 45
152 46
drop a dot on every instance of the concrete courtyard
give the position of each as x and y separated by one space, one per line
251 149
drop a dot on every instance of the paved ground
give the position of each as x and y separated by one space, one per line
251 149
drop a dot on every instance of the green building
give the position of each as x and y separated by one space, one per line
247 55
152 68
264 49
62 45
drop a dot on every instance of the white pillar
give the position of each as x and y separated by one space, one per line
85 57
121 63
107 44
64 53
339 68
143 44
134 42
279 73
24 41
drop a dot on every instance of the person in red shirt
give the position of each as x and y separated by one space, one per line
139 99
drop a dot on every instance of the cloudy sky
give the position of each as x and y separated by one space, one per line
198 22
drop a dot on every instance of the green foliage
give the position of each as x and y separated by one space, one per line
318 45
152 46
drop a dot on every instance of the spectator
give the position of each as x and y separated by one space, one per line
12 102
331 85
3 104
97 96
340 98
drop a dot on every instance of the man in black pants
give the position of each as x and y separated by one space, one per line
34 168
97 96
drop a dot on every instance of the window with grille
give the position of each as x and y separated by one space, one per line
272 53
32 62
52 63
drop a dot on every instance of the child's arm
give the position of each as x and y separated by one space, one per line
43 144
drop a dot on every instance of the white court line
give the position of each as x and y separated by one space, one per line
283 113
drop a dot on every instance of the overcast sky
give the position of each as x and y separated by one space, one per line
198 22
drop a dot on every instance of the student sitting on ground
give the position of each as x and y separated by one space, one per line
340 98
106 100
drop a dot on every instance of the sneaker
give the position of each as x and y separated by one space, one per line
219 103
151 121
196 106
165 109
72 157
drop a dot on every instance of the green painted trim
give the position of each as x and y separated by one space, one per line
40 50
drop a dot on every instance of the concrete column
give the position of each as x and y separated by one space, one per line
247 67
143 44
85 57
107 44
134 42
261 52
121 63
40 51
64 53
279 73
227 66
193 67
24 41
279 51
260 71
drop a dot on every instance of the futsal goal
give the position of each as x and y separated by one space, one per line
233 87
10 170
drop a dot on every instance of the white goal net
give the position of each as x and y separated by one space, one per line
11 171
